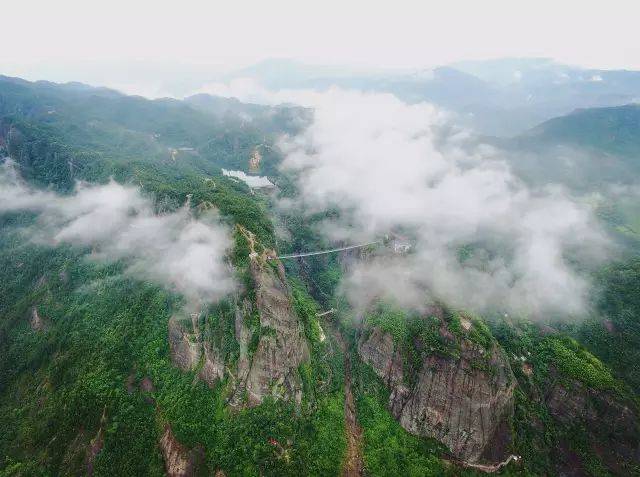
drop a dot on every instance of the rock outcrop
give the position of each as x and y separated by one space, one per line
178 460
37 322
380 352
271 339
190 352
604 417
463 400
96 445
272 369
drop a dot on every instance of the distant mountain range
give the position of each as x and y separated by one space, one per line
585 149
498 97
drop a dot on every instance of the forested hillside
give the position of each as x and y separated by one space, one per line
108 372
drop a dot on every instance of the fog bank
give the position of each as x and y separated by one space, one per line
173 249
481 238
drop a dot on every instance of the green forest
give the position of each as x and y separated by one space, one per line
88 382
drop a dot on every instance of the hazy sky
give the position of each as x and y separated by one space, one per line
64 38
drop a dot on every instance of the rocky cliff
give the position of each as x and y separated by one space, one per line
608 422
179 461
270 337
190 352
272 369
464 399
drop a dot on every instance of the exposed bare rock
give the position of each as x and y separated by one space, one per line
456 403
282 346
379 351
189 352
353 464
146 385
74 460
605 417
270 366
243 336
37 322
80 455
255 160
462 401
130 382
609 325
185 350
178 460
213 367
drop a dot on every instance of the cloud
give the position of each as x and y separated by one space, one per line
250 90
172 249
390 166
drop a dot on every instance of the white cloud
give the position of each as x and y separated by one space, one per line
118 222
389 166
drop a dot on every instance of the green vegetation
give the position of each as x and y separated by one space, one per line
574 361
79 373
390 319
541 439
102 328
614 333
105 333
419 336
389 449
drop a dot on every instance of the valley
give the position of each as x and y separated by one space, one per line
218 317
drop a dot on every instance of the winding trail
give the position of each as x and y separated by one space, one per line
486 468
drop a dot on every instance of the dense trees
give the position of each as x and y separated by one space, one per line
77 371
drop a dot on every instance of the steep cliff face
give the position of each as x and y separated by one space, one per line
465 399
179 461
272 369
270 337
190 352
609 423
459 404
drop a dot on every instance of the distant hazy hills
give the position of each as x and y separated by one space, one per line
586 148
498 97
582 148
612 129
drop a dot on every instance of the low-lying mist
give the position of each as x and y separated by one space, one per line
171 249
481 238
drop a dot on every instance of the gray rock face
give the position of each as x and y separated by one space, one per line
605 417
282 346
272 368
36 321
379 351
453 400
179 461
189 352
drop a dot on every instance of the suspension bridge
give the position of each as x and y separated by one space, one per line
323 252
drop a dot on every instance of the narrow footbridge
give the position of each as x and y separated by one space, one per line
323 252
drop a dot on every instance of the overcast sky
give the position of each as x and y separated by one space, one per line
65 39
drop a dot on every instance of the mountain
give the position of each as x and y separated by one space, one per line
613 130
588 149
501 97
108 368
